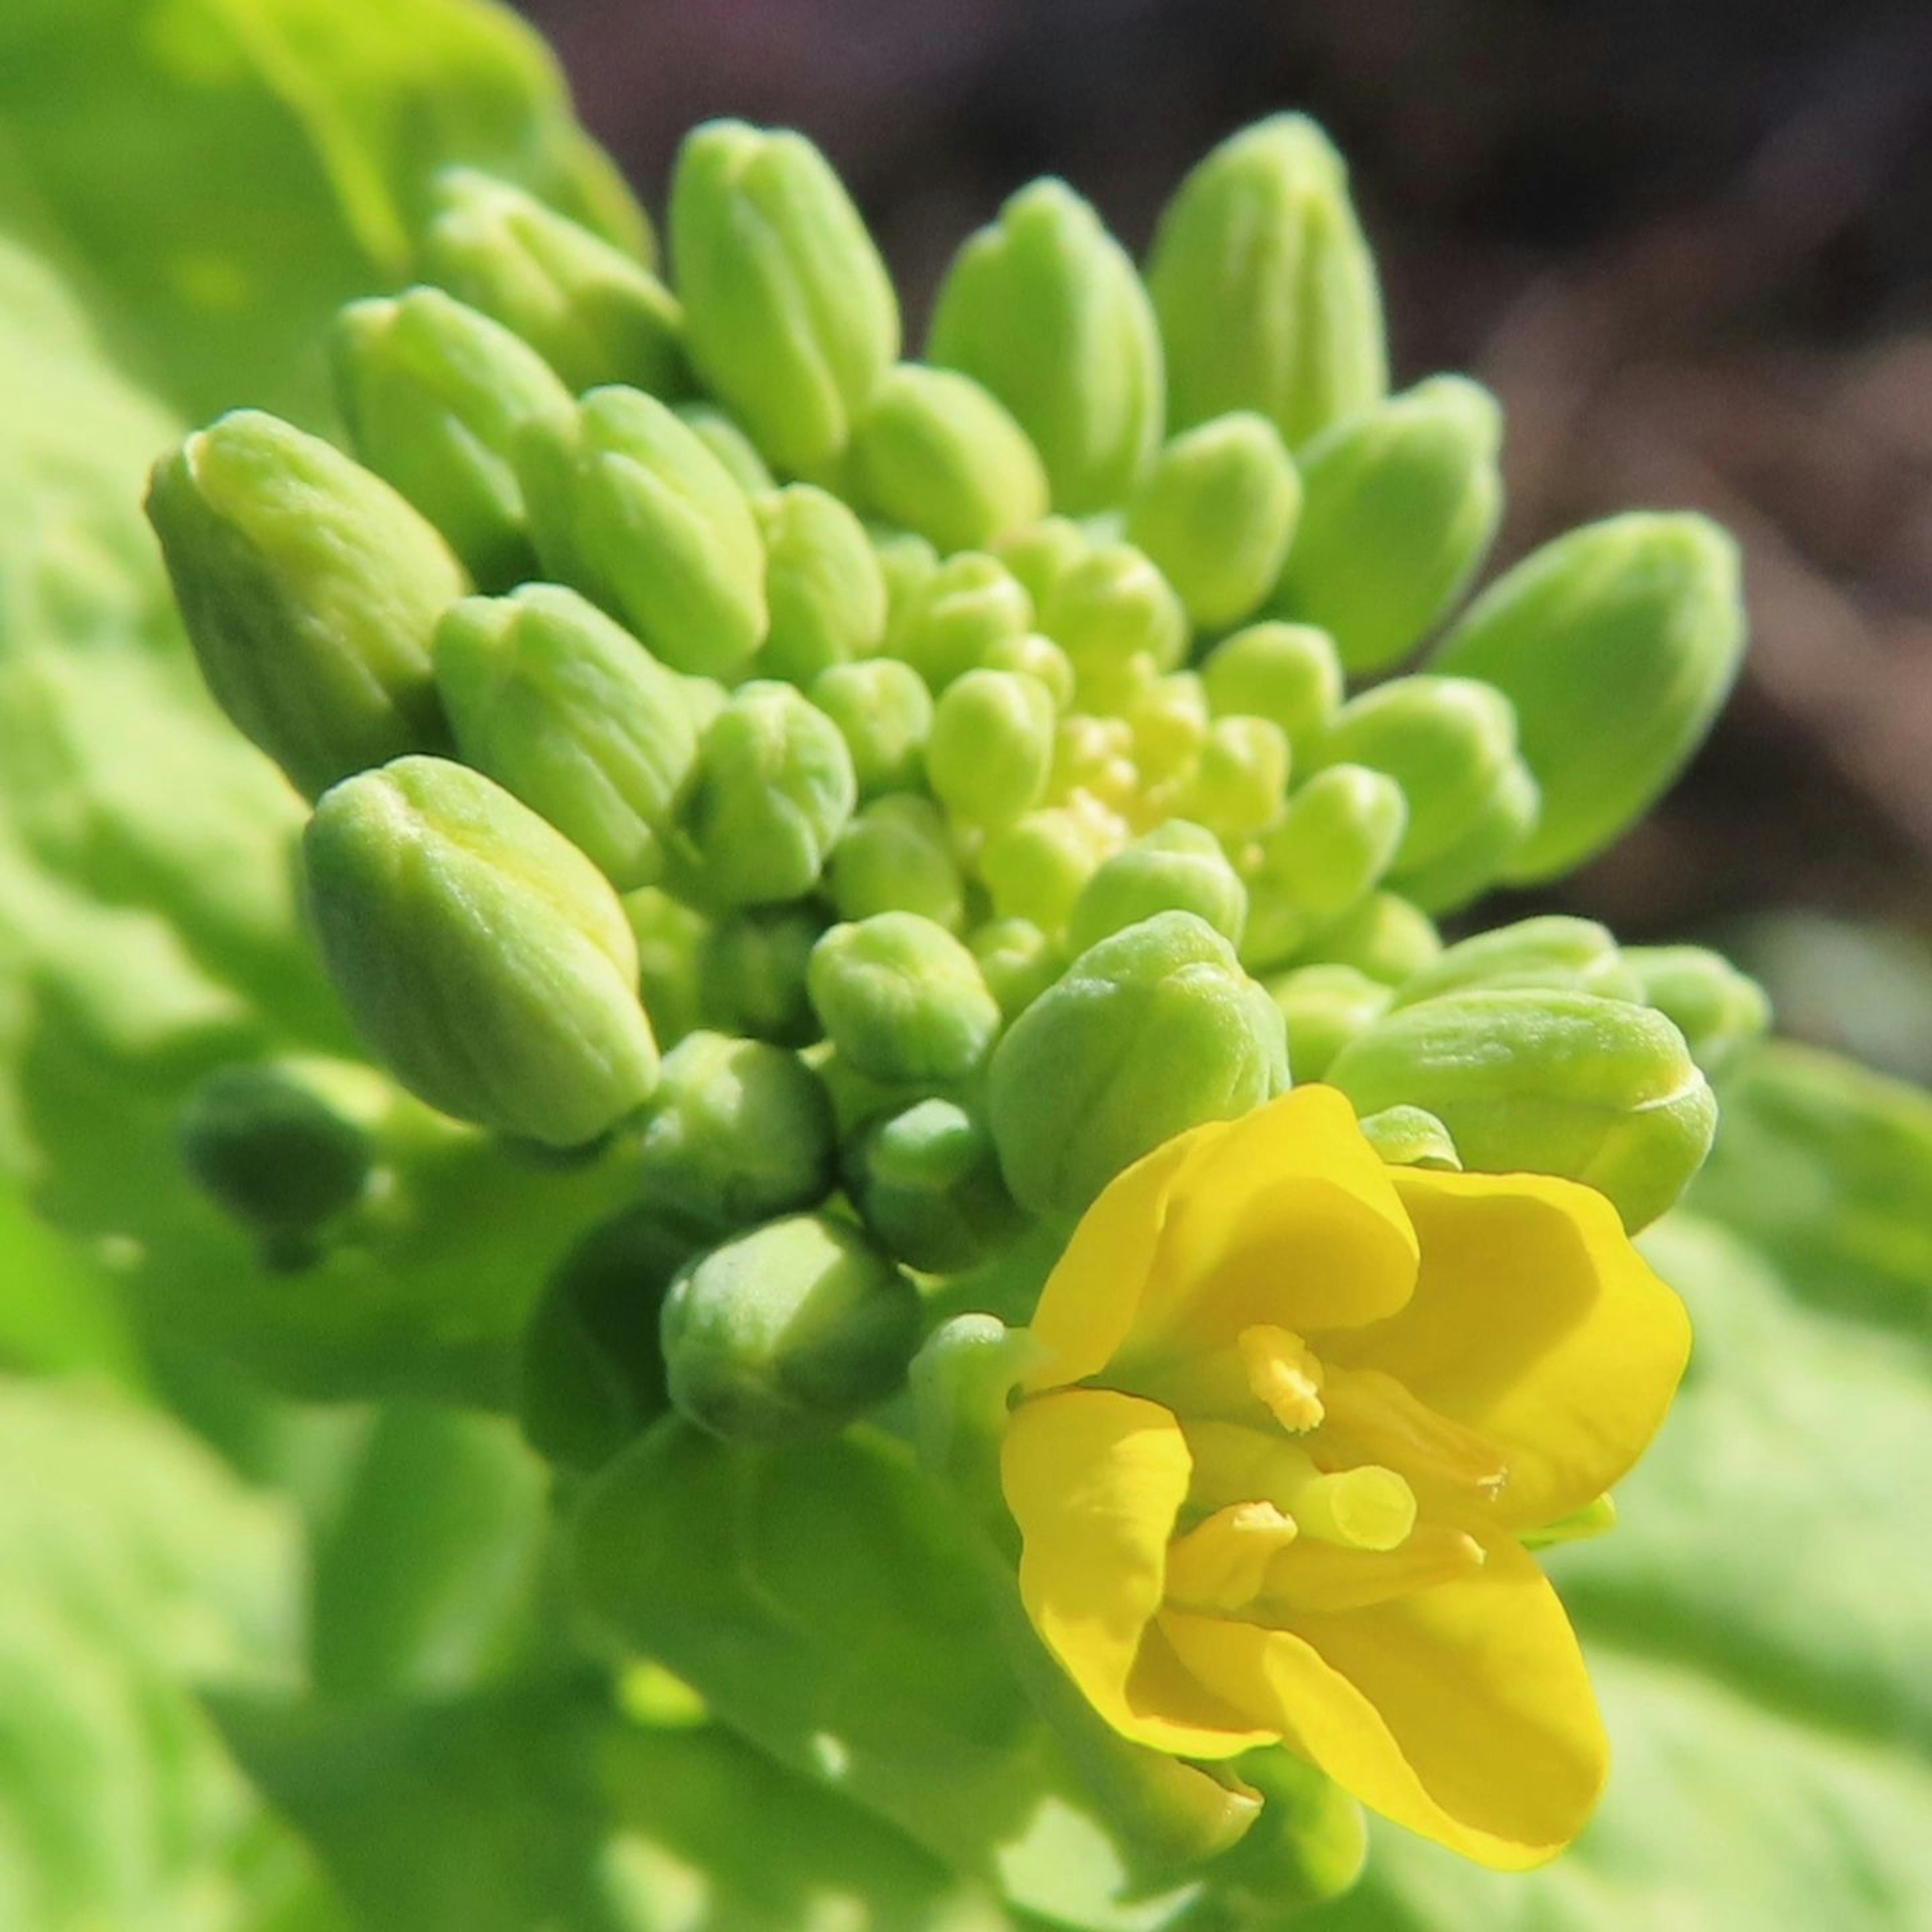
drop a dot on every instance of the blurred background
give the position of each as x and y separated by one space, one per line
1690 247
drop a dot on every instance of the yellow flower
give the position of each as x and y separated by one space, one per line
1295 1411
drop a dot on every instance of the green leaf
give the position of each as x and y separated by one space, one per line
1757 1625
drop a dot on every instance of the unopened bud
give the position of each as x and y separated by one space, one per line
1338 838
1385 937
1575 955
1035 867
954 618
753 968
309 589
1411 1137
1616 644
730 444
927 1182
1239 787
896 856
1325 1007
824 587
903 1000
1719 1011
1401 506
991 746
1018 962
1039 658
1265 287
1287 674
484 959
1117 619
884 711
789 311
1046 310
1176 868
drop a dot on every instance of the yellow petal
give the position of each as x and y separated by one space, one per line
1535 1322
1286 1218
1463 1712
1094 1480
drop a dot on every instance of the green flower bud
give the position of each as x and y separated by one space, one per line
1479 857
927 1182
1385 937
1041 553
991 746
1597 1090
884 711
1093 769
738 1132
1217 513
1616 644
480 955
1151 1032
1035 867
792 1329
671 937
951 620
1287 674
1169 722
1039 658
823 587
753 965
273 1144
629 507
594 313
1411 1137
906 560
1238 788
897 856
1176 868
1401 507
592 1374
789 311
1449 742
1265 287
1325 1007
1573 955
730 444
1112 611
433 393
565 708
774 788
1719 1011
937 453
309 589
902 999
1340 833
1045 309
1017 961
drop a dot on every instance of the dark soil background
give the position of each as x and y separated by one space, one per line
1690 246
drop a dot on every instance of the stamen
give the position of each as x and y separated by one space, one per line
1377 1415
1318 1577
1366 1508
1221 1564
1283 1373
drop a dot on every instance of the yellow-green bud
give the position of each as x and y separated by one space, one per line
1287 674
594 313
791 1330
884 711
486 961
906 560
1035 867
1480 855
1045 309
1616 644
1018 962
1339 834
1325 1007
1217 513
1411 1137
1401 506
789 311
1385 937
628 506
1265 288
824 587
565 708
670 937
1043 553
730 444
774 788
1176 868
753 966
1039 658
934 451
902 999
1718 1010
738 1132
927 1182
1239 786
896 856
1573 955
1151 1032
1597 1090
1169 722
1117 619
991 746
433 393
952 619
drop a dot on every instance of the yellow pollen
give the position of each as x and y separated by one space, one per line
1221 1564
1285 1376
1375 1413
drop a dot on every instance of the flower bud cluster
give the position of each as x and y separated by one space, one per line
907 791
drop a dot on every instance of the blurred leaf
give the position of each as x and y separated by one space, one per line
58 1311
1759 1624
218 174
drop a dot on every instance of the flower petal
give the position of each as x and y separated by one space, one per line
1537 1323
1094 1480
1462 1711
1287 1217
